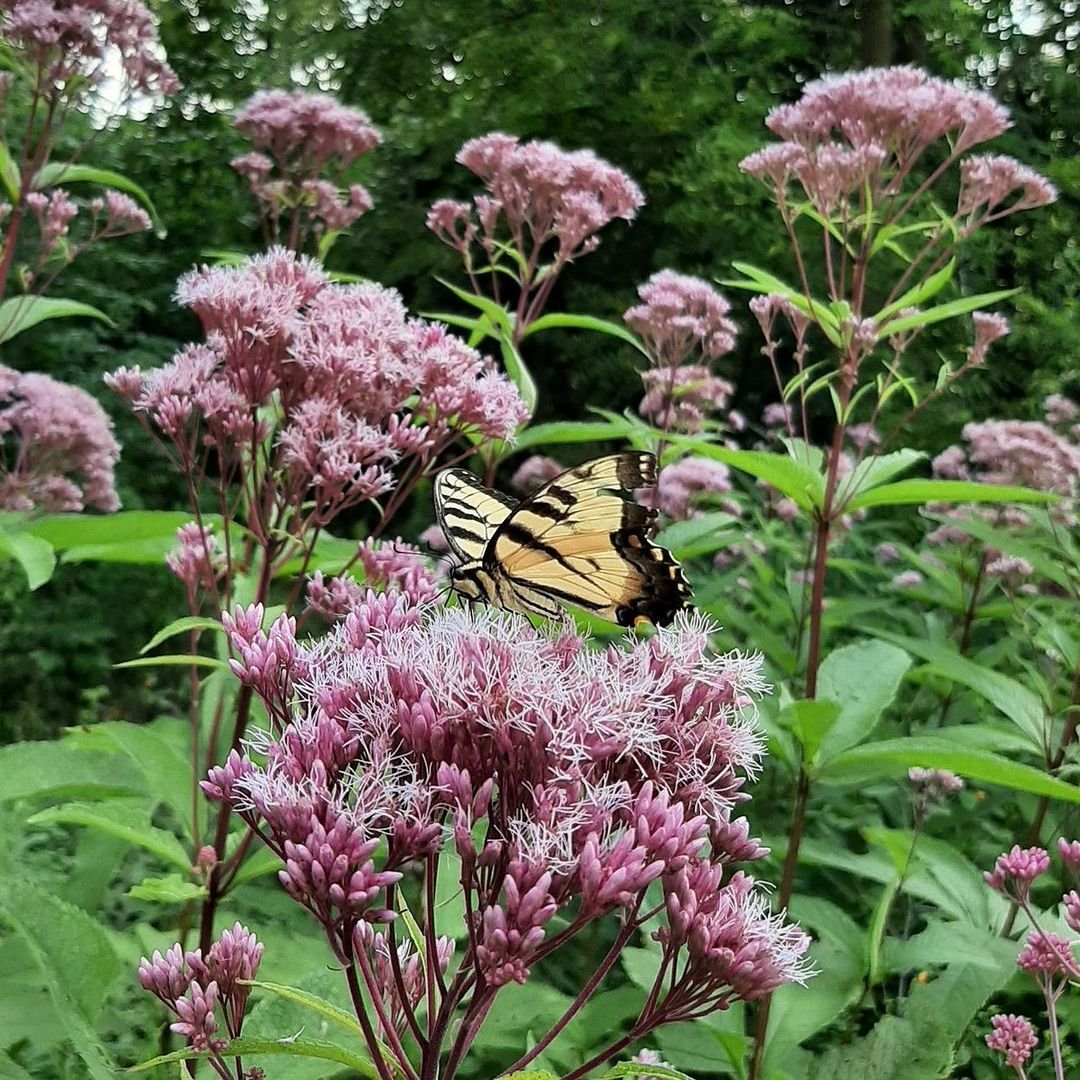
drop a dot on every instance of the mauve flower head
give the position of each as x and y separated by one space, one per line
1014 1037
57 450
75 40
535 471
539 194
988 183
1023 452
54 213
907 579
1071 903
571 775
196 561
680 317
777 415
1060 410
304 132
356 384
1048 955
1015 870
681 398
886 553
1069 850
120 214
681 486
989 327
931 787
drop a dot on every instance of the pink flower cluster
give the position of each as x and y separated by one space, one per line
357 385
683 485
537 193
73 40
868 129
566 779
196 560
299 137
1014 1037
200 990
680 319
57 450
534 472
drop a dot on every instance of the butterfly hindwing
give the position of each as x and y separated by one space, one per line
583 540
468 512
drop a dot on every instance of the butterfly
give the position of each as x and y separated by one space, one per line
581 540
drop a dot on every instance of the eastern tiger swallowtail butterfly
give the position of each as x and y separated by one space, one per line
580 540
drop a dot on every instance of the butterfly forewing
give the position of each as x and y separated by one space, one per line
468 512
582 539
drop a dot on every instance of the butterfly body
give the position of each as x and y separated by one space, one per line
580 540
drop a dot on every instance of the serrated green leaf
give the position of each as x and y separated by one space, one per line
943 311
36 556
920 293
561 321
57 770
123 819
76 959
171 889
568 432
22 312
498 316
634 1068
809 721
326 1009
875 471
176 660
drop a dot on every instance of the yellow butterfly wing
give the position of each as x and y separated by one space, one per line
468 512
582 540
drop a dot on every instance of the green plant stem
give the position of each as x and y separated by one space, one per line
384 1070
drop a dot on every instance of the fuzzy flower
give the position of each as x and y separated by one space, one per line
1069 850
1014 1037
680 398
907 579
1060 410
885 553
777 415
680 317
987 181
681 486
935 783
120 216
534 472
57 450
536 195
1048 955
73 41
560 775
54 213
196 561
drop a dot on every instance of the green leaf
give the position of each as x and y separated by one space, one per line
798 481
497 315
557 321
761 281
534 1074
326 1009
569 431
180 626
76 959
920 293
263 862
58 770
1012 698
862 679
519 374
9 174
22 312
893 757
696 536
633 1068
875 934
60 173
810 721
285 1047
905 492
36 556
10 1070
127 820
875 471
172 889
176 660
943 311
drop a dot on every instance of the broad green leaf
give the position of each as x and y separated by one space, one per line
176 660
9 174
263 862
943 311
326 1009
58 770
519 374
569 431
36 556
893 757
557 321
534 1074
125 819
1012 698
77 962
810 721
172 889
500 318
287 1046
10 1070
906 492
56 172
22 312
180 626
168 774
800 483
862 679
875 934
875 471
920 293
697 536
631 1068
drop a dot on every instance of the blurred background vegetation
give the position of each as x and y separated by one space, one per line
675 93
